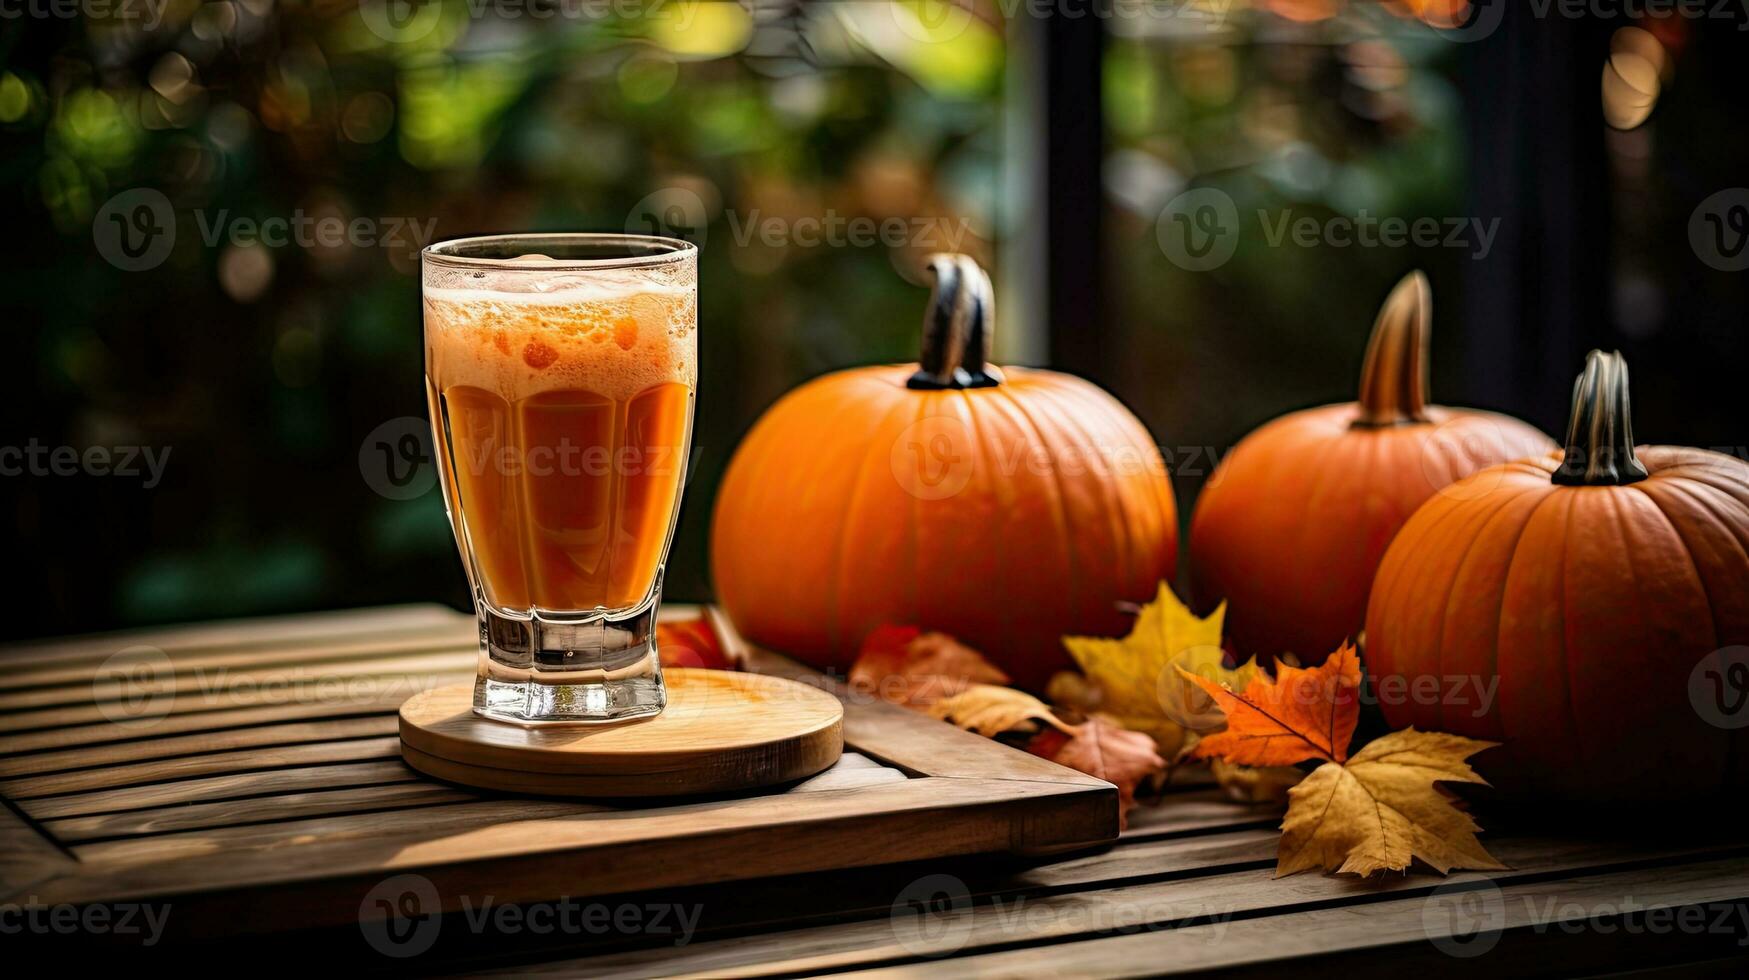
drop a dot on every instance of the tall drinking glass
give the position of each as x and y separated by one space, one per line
560 371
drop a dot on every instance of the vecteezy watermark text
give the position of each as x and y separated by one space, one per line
1365 230
396 460
129 462
1200 229
1606 10
120 919
1466 919
136 229
935 916
149 13
943 21
836 230
403 915
314 231
679 212
411 21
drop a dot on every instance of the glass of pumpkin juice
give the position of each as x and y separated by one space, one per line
560 372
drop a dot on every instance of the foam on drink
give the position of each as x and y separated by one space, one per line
617 341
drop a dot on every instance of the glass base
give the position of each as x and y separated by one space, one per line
595 669
538 703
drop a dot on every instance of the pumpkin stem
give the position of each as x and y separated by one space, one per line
1600 432
957 327
1393 381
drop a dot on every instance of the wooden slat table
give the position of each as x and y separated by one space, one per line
1188 888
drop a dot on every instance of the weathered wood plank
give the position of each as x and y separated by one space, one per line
165 771
285 848
266 632
255 810
108 732
214 788
299 676
122 753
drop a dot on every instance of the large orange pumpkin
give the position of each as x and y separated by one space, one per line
1291 525
1007 507
1598 594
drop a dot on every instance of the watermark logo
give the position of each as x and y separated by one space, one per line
672 212
932 915
1366 230
1184 702
309 231
117 919
396 460
1467 21
400 916
1718 687
1718 230
1464 920
1464 22
943 21
835 230
148 13
135 687
401 21
932 21
135 230
1454 448
1199 229
933 458
145 463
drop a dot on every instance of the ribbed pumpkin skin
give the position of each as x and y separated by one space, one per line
1291 526
1592 605
1065 511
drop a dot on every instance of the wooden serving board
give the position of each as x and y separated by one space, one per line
250 774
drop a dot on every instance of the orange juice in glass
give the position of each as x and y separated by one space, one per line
560 371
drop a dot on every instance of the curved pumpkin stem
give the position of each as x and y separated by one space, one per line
1393 381
957 329
1600 433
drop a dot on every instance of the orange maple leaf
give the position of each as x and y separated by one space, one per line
1302 713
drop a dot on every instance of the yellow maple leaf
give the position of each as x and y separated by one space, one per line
991 710
1381 810
1138 676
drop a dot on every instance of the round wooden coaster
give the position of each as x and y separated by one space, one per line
722 730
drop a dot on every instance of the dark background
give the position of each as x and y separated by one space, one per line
1052 143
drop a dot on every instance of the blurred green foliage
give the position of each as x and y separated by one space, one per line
264 368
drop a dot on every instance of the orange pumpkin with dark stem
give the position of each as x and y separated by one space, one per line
1601 591
1005 507
1291 525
